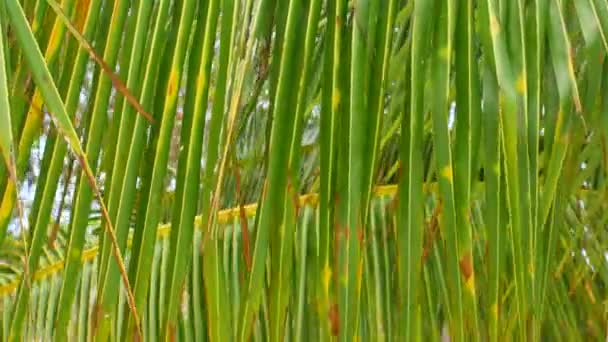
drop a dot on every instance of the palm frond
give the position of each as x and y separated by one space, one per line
303 169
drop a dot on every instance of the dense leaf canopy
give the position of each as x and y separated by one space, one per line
303 169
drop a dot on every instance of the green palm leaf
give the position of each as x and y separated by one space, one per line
303 170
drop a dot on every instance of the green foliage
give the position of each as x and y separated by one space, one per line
303 170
